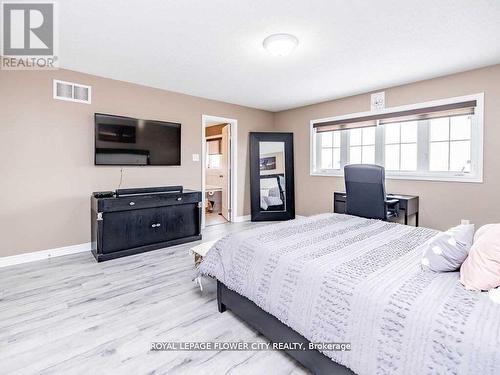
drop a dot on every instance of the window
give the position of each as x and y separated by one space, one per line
214 161
214 156
401 146
362 146
440 145
450 141
330 150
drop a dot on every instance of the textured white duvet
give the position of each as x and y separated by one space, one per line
338 278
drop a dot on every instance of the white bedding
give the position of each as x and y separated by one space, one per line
339 278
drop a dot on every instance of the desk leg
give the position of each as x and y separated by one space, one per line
406 218
416 219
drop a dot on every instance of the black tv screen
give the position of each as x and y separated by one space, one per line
128 141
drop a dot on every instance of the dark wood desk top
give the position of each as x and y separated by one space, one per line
408 203
395 196
402 196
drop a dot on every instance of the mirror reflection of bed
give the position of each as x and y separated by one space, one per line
272 192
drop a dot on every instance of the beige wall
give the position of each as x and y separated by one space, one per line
442 204
46 153
46 149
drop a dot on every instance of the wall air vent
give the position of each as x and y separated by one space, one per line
73 92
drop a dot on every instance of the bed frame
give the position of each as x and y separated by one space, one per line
277 331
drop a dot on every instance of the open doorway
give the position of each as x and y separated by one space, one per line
218 169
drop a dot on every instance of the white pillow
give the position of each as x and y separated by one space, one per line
448 250
495 295
481 269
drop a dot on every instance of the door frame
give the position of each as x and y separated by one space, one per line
233 169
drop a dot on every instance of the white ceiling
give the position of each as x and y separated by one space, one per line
213 48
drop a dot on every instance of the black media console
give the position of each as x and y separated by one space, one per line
132 221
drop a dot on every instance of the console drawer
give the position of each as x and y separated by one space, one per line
147 201
129 229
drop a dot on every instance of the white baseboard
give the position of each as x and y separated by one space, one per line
241 219
43 254
67 250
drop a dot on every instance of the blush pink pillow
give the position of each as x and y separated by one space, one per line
481 269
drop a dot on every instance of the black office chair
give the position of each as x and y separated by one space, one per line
365 193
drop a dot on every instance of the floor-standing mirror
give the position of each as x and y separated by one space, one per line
271 176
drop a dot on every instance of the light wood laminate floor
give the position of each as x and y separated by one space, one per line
214 218
72 315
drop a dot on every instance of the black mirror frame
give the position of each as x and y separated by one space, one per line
257 213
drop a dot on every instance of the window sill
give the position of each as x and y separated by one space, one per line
413 177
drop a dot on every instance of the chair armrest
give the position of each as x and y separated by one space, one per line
391 201
392 205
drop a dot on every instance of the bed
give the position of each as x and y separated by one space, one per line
335 278
272 192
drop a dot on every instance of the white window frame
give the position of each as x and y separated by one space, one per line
477 143
332 148
361 145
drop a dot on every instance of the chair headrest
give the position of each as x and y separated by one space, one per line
366 173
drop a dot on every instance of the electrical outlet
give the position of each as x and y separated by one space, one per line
196 157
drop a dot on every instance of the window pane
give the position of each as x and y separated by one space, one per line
368 156
355 137
409 157
438 156
336 158
392 133
409 132
326 139
392 157
336 139
460 127
214 161
460 156
369 136
439 129
355 155
326 158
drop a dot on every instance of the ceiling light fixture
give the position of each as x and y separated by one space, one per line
280 44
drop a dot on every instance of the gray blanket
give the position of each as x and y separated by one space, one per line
338 278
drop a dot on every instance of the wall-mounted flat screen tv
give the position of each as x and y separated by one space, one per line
129 141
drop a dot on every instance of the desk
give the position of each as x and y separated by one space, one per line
408 204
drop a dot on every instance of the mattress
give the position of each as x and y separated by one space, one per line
342 279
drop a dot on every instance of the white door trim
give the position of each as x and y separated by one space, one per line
233 164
